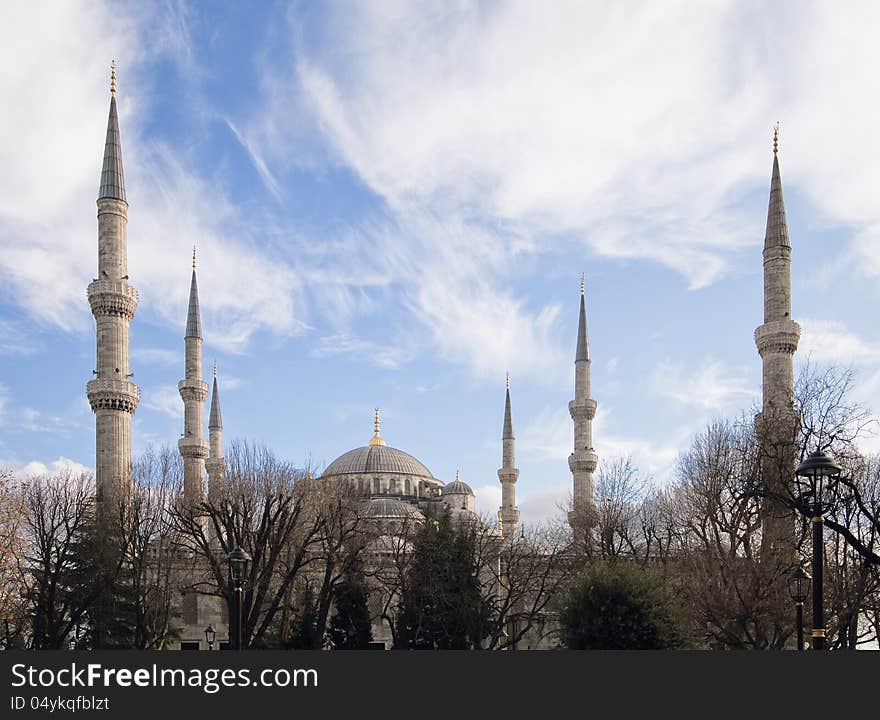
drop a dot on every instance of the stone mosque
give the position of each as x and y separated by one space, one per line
395 485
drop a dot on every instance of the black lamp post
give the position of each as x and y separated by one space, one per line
238 561
210 636
799 589
818 478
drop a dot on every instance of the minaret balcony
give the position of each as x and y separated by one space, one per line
583 461
582 410
193 389
113 395
193 447
112 297
778 337
508 475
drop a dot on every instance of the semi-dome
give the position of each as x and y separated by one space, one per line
389 508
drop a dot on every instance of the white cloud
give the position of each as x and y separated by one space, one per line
389 356
488 499
51 158
36 468
711 387
550 435
165 400
829 341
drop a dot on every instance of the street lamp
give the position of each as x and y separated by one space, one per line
238 561
799 589
210 636
817 478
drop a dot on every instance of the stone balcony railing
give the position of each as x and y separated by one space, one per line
113 395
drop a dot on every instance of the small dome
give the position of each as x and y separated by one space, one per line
388 508
456 487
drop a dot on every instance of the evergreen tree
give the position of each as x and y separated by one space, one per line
303 629
441 605
620 606
350 626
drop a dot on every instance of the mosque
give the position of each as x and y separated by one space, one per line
395 485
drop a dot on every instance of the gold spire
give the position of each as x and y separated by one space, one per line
309 474
776 138
194 257
582 284
376 439
507 381
113 78
215 369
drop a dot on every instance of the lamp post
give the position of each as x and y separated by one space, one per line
238 561
799 589
210 636
818 478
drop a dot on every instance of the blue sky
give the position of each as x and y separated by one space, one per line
393 205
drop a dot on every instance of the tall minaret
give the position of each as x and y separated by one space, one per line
216 463
508 514
193 390
111 393
583 460
777 341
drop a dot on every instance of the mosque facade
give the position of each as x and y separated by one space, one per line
395 485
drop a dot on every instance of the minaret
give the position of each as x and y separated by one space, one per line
508 514
216 463
112 395
777 341
583 460
193 390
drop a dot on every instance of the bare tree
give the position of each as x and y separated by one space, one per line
268 509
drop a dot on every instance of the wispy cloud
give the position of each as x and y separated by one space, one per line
165 400
711 387
829 341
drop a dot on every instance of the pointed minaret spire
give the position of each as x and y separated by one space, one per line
583 342
216 463
112 176
582 462
377 438
777 340
194 315
112 395
508 514
193 391
214 419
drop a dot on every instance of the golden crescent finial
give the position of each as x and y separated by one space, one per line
194 257
456 476
507 381
113 78
215 369
776 138
582 284
376 439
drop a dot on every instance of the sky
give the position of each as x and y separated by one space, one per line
393 204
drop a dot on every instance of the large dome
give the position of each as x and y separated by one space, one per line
377 459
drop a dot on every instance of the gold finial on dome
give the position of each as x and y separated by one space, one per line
456 477
776 138
113 78
376 439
